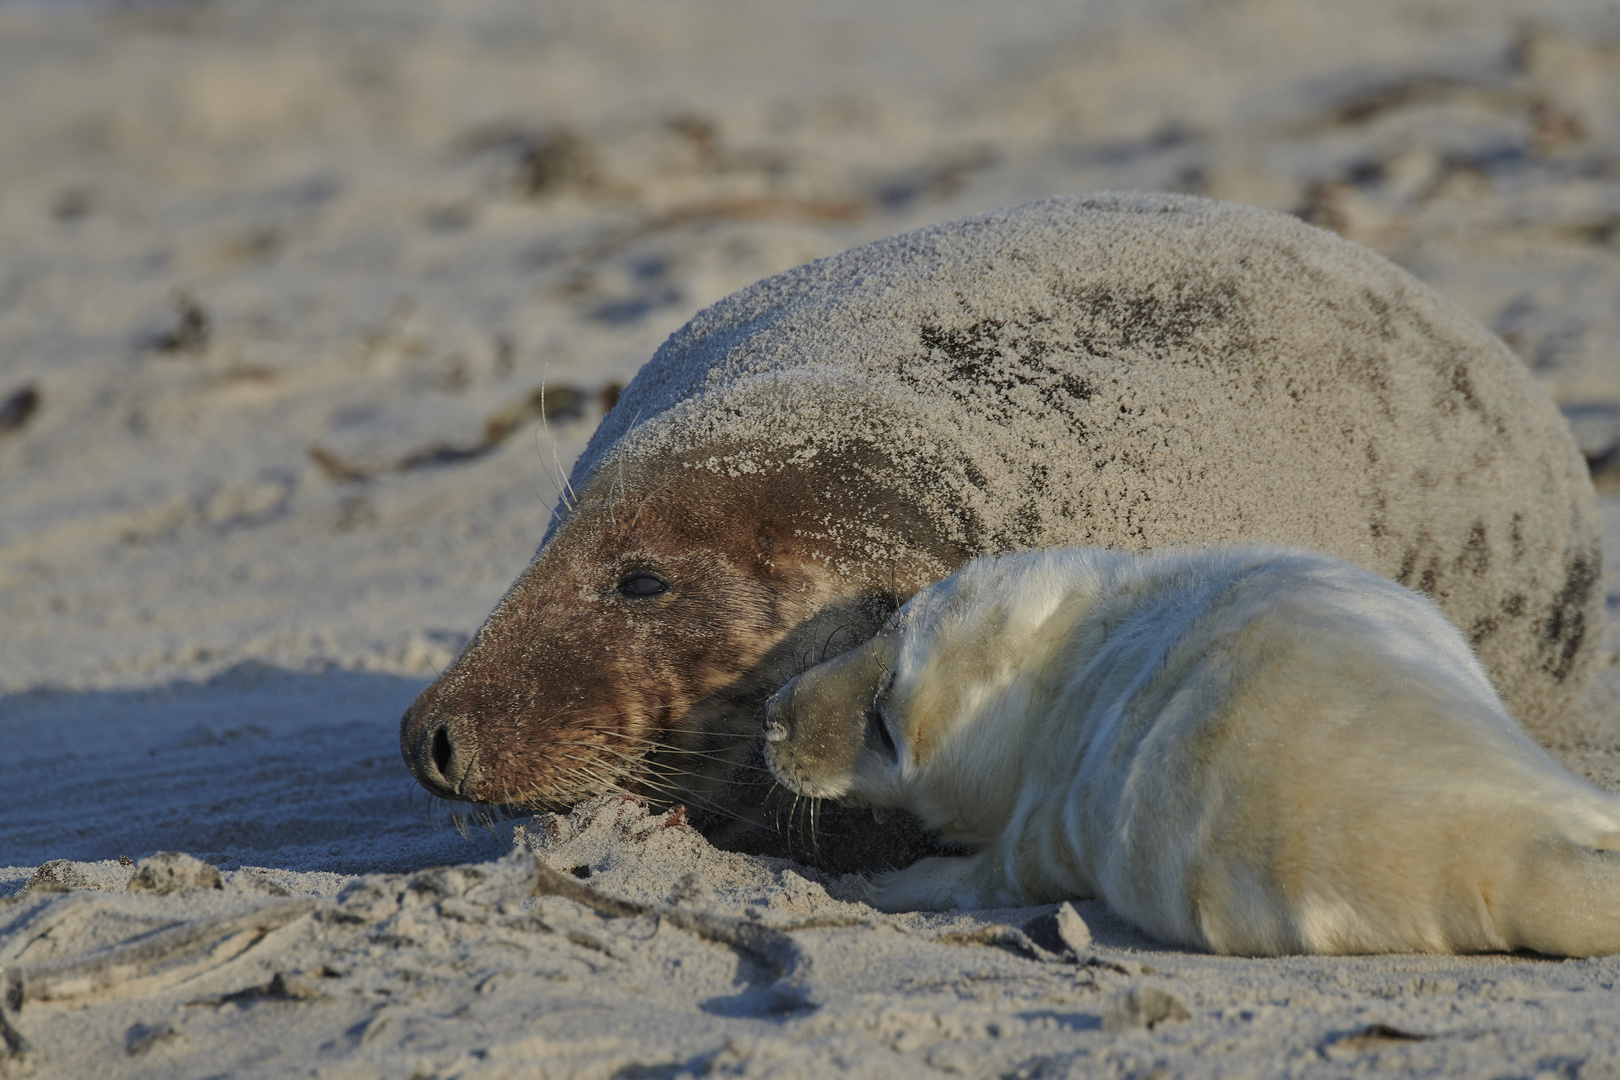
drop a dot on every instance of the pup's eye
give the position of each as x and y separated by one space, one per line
639 585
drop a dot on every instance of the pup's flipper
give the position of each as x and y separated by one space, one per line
940 884
1565 900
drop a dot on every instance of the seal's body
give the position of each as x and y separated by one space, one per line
1253 751
1130 371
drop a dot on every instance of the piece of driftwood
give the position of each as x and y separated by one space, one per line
160 958
794 988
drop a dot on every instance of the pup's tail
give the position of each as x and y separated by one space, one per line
1565 898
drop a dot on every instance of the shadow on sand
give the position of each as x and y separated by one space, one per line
257 766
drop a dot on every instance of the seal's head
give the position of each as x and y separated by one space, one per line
635 651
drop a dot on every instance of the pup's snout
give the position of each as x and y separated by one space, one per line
777 711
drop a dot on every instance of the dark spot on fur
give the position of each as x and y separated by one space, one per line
1424 561
1483 628
1463 386
1160 319
937 485
1372 371
1377 523
1516 534
1077 388
1026 528
968 349
1564 629
995 352
1380 309
1514 605
1476 553
1459 388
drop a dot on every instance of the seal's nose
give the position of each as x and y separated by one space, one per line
776 710
432 753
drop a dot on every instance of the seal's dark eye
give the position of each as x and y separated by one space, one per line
639 585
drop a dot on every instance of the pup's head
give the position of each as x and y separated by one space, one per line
837 730
873 723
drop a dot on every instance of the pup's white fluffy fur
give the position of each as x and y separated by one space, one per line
1250 750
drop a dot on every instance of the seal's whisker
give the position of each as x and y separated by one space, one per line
656 749
802 817
825 645
815 837
435 807
695 801
718 759
659 744
595 774
792 815
562 497
567 487
776 814
613 500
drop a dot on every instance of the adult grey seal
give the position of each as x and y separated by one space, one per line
1119 370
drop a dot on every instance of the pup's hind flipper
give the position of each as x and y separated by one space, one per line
1565 899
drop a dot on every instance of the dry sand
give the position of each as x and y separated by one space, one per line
278 282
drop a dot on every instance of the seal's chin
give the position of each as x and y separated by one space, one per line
794 773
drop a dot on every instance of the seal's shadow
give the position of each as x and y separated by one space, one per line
256 766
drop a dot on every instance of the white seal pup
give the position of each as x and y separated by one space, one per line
1249 750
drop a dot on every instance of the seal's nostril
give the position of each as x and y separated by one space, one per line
775 730
441 760
440 751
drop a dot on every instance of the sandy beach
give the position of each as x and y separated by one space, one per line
306 308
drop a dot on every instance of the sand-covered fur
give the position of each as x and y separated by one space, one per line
1135 371
1249 750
